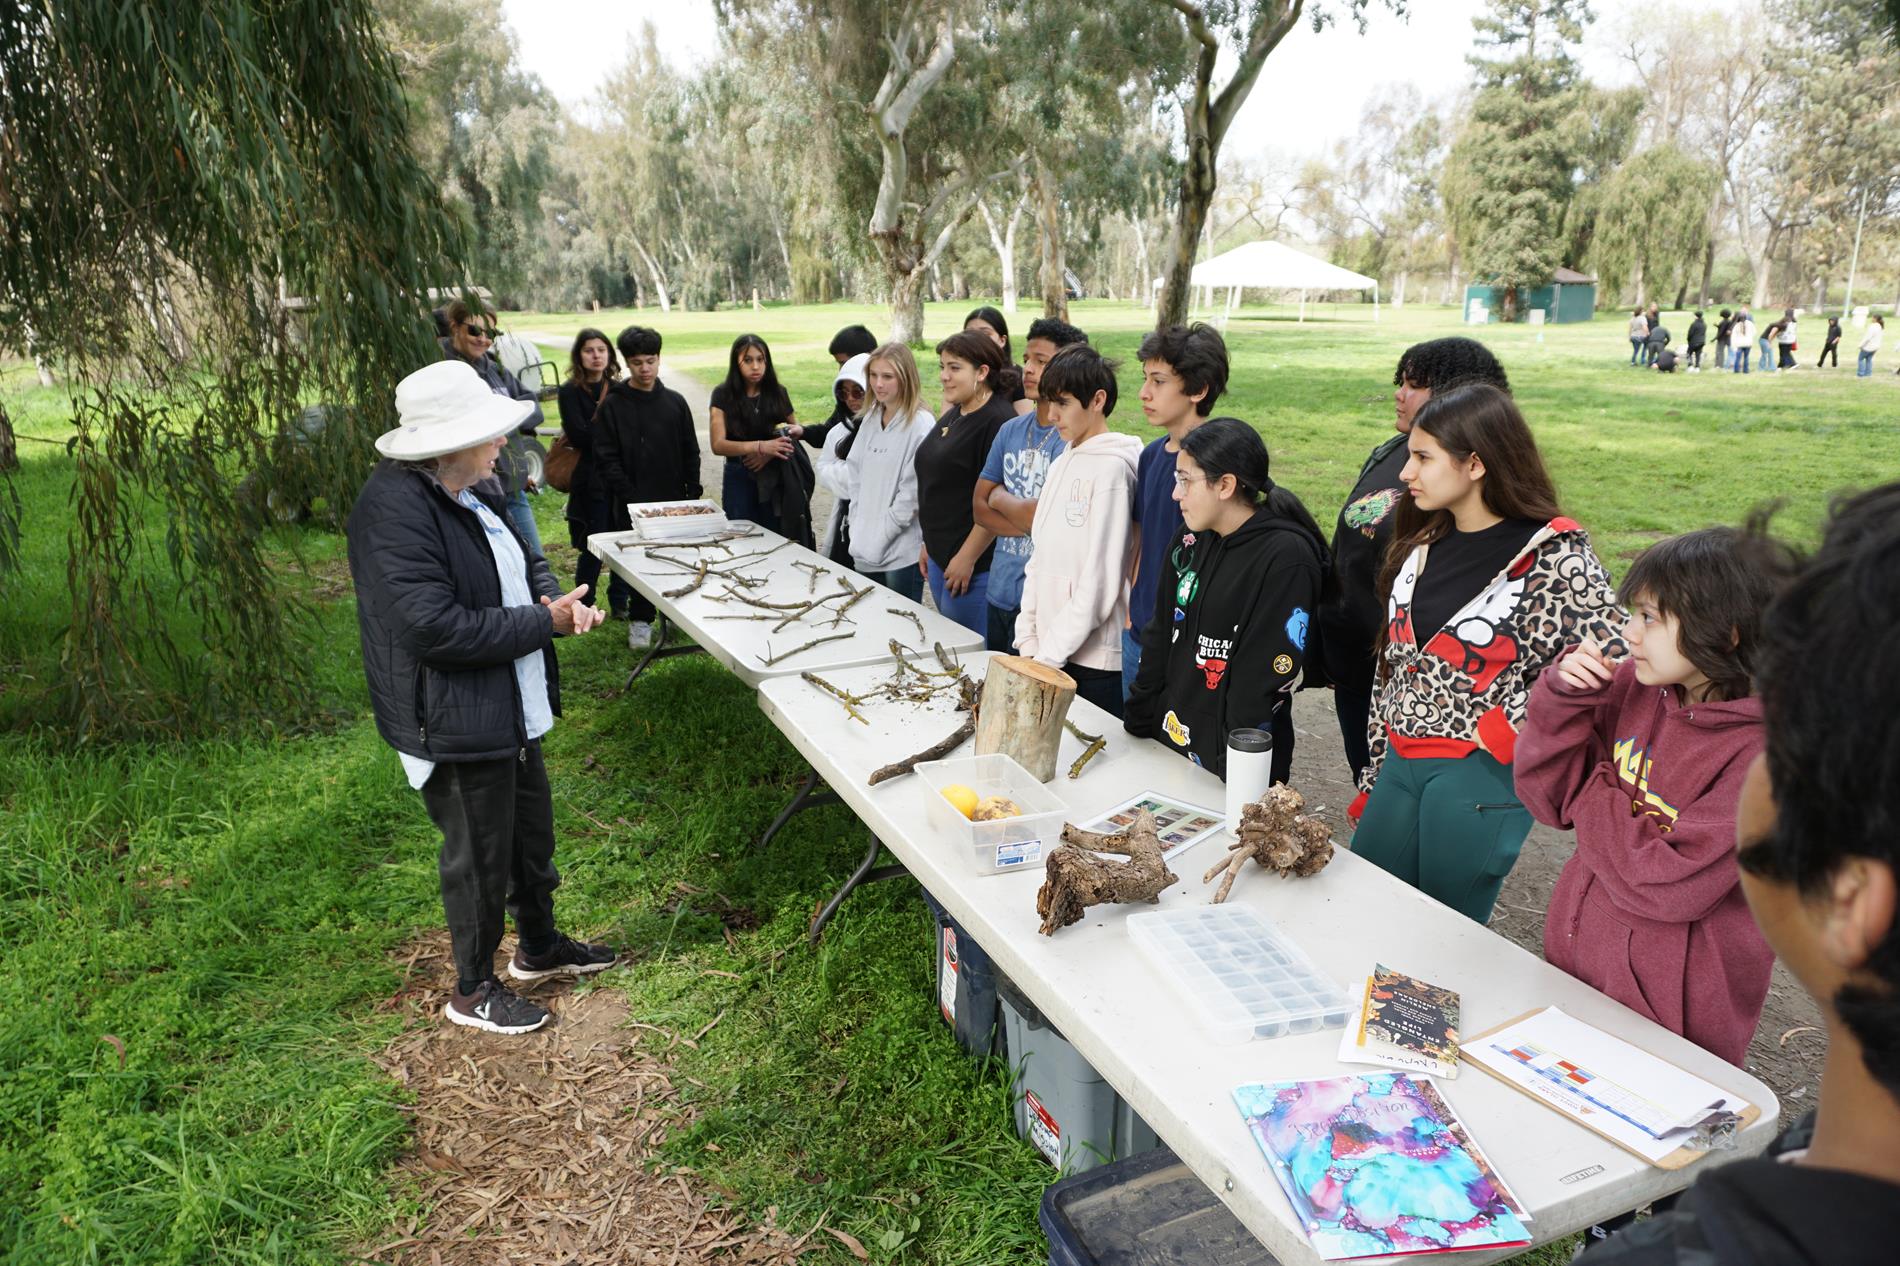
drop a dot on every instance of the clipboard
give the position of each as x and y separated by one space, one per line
1681 1158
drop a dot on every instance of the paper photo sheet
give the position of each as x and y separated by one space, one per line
1179 825
1640 1101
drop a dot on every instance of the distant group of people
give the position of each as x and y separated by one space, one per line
1736 337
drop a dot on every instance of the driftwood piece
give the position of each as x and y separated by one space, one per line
769 660
1276 834
1024 706
699 578
1075 879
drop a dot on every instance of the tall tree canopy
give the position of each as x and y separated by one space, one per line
172 172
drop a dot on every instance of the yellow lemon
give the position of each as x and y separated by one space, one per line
961 798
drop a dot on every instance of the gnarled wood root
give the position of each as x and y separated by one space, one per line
1075 879
1276 834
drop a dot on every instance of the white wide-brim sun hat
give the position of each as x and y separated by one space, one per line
445 408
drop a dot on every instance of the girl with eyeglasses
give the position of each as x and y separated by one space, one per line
1228 640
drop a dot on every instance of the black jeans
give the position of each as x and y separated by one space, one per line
1100 686
1830 349
1002 631
1353 706
620 595
497 824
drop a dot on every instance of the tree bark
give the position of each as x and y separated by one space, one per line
907 307
1055 290
1205 119
1398 291
654 274
1023 706
1004 242
1708 270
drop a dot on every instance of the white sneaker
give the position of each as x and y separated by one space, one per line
639 633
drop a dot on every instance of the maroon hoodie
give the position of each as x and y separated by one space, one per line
1649 909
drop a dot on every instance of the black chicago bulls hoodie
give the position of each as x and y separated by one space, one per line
1232 622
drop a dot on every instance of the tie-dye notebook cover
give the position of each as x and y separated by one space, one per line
1378 1164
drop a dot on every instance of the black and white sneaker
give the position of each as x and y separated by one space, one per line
493 1009
569 957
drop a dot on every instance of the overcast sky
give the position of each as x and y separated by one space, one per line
1309 95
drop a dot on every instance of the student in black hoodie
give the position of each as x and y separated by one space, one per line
645 446
1819 847
1698 338
592 369
1228 639
1353 613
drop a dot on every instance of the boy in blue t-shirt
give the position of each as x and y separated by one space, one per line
1006 491
1183 372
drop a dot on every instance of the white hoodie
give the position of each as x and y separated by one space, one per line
1075 592
833 473
885 534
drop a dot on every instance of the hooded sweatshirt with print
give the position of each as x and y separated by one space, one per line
833 465
1075 589
885 532
1464 687
1228 636
1649 909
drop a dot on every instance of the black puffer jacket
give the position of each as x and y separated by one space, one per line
438 646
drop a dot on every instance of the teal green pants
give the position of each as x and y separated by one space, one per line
1450 828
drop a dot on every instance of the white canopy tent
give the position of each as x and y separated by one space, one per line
1274 266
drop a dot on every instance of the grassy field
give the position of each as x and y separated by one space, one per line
196 934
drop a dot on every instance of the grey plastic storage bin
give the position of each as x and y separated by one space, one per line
1147 1210
1062 1105
963 985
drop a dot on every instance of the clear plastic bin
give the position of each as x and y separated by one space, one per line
1005 844
1062 1105
1147 1210
1243 977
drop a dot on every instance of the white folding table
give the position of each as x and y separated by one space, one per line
1146 1041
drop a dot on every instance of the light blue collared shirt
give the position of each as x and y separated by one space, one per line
531 672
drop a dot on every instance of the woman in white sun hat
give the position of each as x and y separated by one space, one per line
458 620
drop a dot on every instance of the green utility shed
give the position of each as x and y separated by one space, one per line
1570 296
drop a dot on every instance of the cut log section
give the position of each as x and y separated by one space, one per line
1024 706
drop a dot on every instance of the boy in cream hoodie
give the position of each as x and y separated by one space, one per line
1075 592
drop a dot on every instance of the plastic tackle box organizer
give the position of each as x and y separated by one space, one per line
1148 1210
1243 978
1062 1105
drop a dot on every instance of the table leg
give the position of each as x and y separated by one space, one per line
867 872
659 649
805 799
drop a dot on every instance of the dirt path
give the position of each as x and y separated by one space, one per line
1788 1047
542 1148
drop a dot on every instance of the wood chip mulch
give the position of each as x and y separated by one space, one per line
540 1148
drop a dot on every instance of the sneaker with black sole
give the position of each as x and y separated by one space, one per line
494 1009
568 957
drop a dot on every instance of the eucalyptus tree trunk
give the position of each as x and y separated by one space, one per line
1004 242
1205 118
1055 291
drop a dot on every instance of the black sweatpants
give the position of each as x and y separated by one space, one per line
1353 706
1827 350
497 824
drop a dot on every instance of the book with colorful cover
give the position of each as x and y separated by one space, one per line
1377 1164
1405 1023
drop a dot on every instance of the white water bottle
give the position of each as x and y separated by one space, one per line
1249 770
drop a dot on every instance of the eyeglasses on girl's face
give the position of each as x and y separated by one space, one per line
1182 479
476 329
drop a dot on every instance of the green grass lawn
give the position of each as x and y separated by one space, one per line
226 911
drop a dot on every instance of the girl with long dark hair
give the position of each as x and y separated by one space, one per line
1486 583
592 366
768 478
955 558
1227 643
1009 381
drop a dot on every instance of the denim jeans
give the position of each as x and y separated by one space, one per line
1131 661
1767 361
1002 629
521 514
971 608
1864 367
905 580
1636 350
1741 361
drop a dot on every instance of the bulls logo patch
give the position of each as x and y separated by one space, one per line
1215 669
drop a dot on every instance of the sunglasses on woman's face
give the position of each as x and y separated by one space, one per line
476 330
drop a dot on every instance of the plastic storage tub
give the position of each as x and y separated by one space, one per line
963 980
1062 1105
1242 977
1146 1210
1004 844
